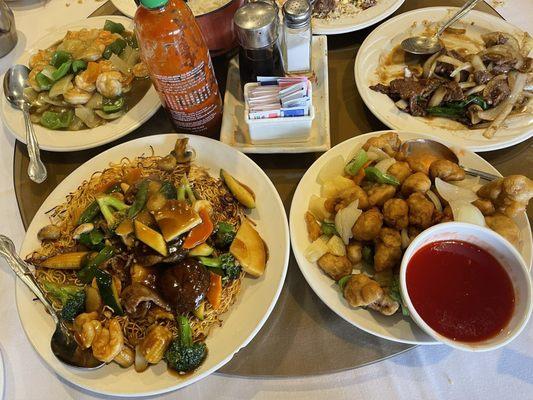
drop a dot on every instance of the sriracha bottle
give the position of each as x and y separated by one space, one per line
174 51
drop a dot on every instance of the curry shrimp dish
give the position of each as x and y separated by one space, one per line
486 85
375 201
144 257
88 78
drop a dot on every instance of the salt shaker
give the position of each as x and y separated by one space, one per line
256 27
296 41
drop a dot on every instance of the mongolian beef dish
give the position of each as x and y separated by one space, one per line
144 257
374 203
339 8
480 89
88 78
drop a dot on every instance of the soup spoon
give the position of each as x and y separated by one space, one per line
414 147
63 344
431 44
15 80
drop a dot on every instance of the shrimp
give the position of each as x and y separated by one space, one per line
41 58
109 342
86 328
76 96
83 83
139 70
109 84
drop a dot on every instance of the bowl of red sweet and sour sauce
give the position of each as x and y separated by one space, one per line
466 286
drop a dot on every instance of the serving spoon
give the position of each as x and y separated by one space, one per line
431 44
63 344
15 80
424 146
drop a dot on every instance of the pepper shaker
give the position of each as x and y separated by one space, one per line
297 36
256 27
8 32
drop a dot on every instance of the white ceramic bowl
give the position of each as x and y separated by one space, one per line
508 257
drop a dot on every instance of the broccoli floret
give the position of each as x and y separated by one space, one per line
225 262
183 355
225 233
110 206
72 299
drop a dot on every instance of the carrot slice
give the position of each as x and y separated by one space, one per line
132 176
92 72
200 233
214 294
358 178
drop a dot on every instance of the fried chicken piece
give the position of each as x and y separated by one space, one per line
388 142
313 227
400 170
368 225
420 210
505 226
379 194
334 266
446 170
396 213
330 205
418 182
388 249
351 194
362 291
354 251
510 195
413 231
485 206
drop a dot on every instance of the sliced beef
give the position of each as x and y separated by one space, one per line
368 3
482 77
406 88
496 91
381 88
444 69
418 106
453 92
503 68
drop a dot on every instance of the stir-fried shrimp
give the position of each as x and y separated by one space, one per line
109 342
109 84
83 84
40 59
76 96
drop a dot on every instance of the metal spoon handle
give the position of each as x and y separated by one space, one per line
36 169
460 14
483 175
23 271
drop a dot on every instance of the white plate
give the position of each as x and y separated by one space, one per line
2 376
89 138
240 324
363 19
234 130
395 328
126 7
390 34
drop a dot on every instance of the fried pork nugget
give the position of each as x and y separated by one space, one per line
446 170
354 251
485 206
420 210
388 252
388 142
505 226
400 170
396 213
334 266
351 194
510 195
417 182
368 225
380 193
362 291
313 227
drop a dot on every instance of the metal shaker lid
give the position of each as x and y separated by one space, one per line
256 25
297 13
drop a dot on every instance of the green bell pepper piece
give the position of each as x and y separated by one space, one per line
117 47
328 228
43 81
375 175
342 282
169 190
57 120
112 105
61 71
368 255
113 27
79 65
356 163
59 58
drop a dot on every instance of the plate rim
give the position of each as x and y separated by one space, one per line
363 90
150 97
323 30
21 290
298 255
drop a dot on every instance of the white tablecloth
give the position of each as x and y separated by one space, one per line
435 372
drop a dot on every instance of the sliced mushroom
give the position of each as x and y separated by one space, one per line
182 153
80 230
136 299
49 232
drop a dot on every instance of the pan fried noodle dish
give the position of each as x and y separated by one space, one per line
88 78
144 258
486 85
374 202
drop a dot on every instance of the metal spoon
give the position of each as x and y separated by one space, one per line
15 80
63 344
431 44
414 147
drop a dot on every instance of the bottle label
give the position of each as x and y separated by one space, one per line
188 97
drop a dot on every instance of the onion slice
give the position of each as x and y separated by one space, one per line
429 65
466 212
451 192
435 200
345 220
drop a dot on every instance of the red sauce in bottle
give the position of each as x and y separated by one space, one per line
174 51
460 290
